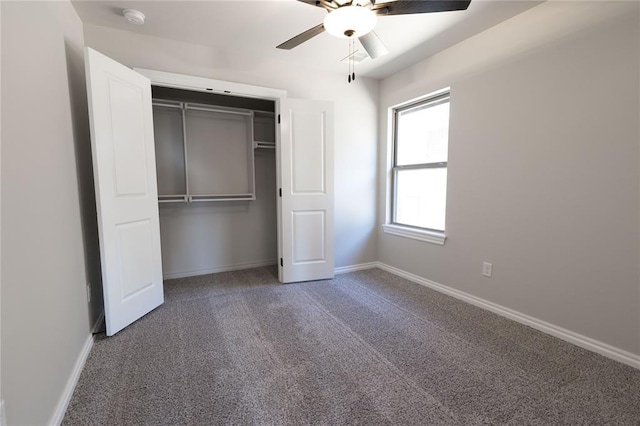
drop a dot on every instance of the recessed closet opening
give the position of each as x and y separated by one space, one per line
216 175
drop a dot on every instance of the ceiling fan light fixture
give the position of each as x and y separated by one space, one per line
350 21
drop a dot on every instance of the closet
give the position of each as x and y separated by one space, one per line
216 174
238 175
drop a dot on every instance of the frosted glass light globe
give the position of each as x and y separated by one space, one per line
350 21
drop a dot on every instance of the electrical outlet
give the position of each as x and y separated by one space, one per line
487 269
88 292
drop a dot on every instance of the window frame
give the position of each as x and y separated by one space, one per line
431 235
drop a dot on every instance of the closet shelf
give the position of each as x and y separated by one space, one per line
178 198
208 108
258 112
208 150
221 197
204 198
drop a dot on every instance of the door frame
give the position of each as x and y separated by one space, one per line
208 85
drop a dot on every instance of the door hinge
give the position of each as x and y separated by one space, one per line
280 192
278 118
281 262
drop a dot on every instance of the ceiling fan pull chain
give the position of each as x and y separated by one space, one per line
349 64
353 60
352 65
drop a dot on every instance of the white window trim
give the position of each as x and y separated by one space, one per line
420 234
433 237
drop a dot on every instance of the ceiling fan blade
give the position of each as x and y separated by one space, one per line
327 4
408 7
373 45
302 37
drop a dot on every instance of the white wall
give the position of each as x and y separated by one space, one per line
543 168
45 315
355 123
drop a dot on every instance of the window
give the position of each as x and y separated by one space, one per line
419 187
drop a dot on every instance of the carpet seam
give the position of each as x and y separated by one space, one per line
395 369
390 366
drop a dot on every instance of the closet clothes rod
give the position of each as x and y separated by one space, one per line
171 201
205 198
173 198
221 197
223 111
268 145
166 105
200 107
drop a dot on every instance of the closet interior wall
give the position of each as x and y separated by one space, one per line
218 205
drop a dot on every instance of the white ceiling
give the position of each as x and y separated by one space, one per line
253 29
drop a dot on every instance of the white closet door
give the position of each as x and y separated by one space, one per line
306 159
124 169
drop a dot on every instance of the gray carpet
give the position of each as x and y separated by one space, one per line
365 348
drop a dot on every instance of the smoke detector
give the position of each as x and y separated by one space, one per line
134 16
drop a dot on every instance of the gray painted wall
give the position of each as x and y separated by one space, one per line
543 168
47 255
198 238
355 134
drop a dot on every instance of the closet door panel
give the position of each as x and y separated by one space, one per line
122 146
306 161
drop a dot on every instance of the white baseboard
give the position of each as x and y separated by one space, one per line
577 339
65 398
226 268
339 270
353 268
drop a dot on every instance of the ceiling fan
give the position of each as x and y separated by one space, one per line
357 18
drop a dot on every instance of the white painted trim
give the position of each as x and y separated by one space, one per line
585 342
65 398
226 268
433 237
162 78
98 323
353 268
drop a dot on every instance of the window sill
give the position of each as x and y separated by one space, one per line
432 237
